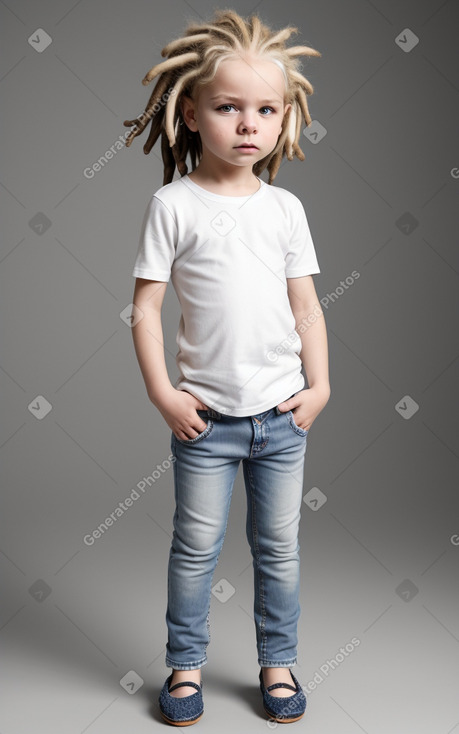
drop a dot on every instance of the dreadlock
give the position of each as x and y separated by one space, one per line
192 61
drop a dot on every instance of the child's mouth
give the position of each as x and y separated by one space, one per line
248 148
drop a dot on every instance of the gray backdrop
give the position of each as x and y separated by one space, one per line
82 626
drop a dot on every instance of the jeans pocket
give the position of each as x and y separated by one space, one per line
207 430
294 427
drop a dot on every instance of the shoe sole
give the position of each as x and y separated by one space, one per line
273 717
181 723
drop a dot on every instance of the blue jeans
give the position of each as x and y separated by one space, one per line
272 448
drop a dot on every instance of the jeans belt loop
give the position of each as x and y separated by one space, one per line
214 413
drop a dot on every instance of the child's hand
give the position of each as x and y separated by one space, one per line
306 405
178 409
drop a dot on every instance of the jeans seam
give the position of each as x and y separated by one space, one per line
261 590
210 591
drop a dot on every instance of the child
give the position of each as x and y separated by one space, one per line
241 258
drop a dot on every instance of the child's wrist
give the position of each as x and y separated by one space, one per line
161 395
321 389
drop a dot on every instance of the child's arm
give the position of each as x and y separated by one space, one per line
178 407
310 325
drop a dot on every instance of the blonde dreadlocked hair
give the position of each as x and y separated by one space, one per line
193 61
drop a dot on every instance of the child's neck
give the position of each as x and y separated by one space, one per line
239 182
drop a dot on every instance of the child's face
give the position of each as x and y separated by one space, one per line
243 104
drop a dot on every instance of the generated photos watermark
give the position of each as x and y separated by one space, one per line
307 321
122 507
90 171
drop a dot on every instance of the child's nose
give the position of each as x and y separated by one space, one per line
248 125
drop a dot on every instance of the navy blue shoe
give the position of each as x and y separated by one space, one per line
181 711
283 709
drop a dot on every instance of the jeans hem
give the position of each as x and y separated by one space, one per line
185 666
277 663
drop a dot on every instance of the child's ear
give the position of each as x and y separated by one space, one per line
188 112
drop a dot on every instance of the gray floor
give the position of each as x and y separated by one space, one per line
64 657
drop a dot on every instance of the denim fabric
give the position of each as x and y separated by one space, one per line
272 449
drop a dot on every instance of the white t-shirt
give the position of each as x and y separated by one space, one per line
228 258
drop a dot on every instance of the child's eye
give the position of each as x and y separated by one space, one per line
224 105
229 106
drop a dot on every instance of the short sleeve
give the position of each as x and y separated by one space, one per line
157 243
301 258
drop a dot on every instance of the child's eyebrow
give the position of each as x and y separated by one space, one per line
237 99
